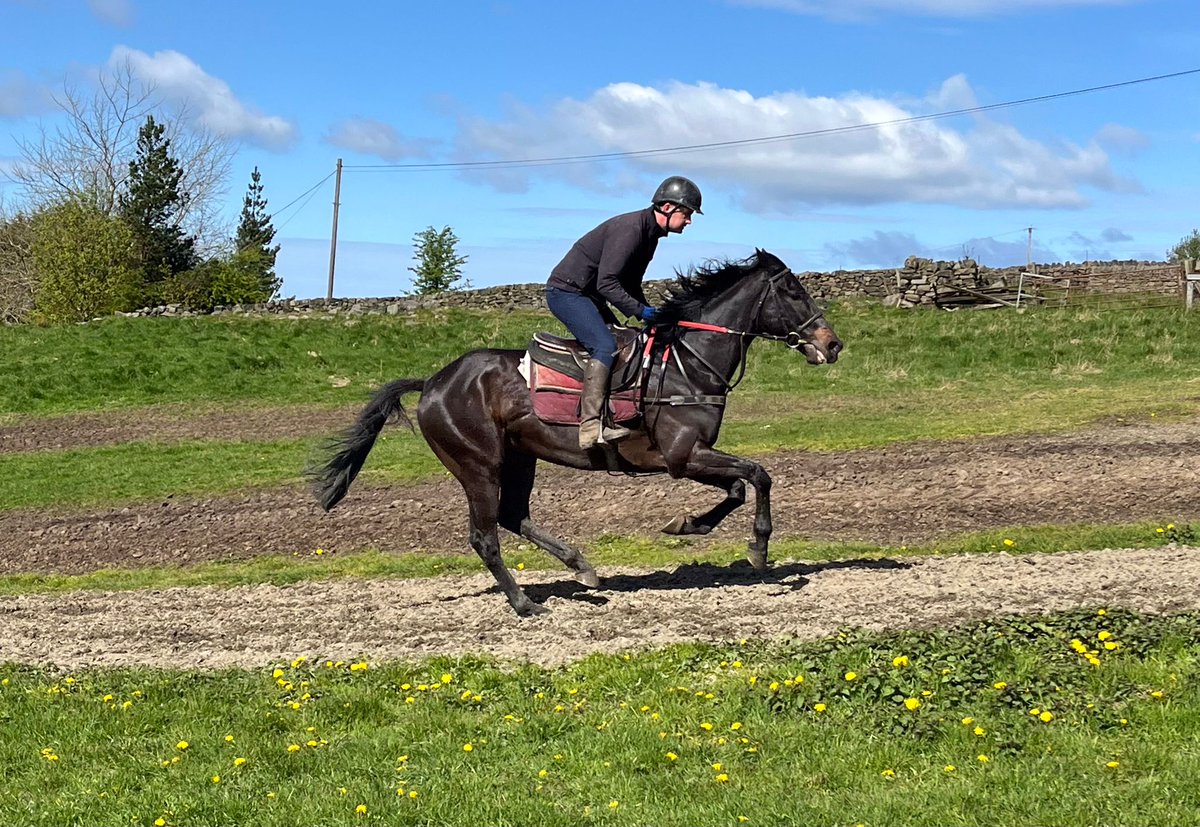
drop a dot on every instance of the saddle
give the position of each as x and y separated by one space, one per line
554 367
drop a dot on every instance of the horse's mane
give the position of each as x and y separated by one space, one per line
694 289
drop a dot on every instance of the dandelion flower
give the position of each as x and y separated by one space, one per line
543 773
237 762
900 662
888 773
467 747
293 747
1156 694
229 739
447 678
671 756
982 759
412 793
361 809
216 779
1104 635
850 676
968 721
717 767
980 731
1112 765
1009 542
182 745
1046 717
706 726
912 704
612 805
160 822
722 778
1001 685
735 726
949 768
820 708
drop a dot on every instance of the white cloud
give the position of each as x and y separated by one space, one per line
1122 138
208 99
116 12
858 10
20 96
980 164
376 138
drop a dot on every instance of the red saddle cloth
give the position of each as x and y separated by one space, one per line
555 372
556 397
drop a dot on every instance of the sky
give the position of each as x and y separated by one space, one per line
823 131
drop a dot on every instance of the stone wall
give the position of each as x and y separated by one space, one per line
912 284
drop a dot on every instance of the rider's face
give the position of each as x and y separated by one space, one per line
678 218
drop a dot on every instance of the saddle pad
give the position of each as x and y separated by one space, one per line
556 397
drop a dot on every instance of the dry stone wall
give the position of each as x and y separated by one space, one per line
913 284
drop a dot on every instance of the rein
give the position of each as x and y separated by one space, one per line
793 339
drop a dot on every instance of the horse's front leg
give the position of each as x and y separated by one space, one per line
735 497
712 467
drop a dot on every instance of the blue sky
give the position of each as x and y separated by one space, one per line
1110 174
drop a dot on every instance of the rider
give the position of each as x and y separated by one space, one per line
605 267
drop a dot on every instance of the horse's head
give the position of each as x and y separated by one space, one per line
784 309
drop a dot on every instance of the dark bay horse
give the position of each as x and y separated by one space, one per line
477 416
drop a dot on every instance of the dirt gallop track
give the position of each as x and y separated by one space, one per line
901 494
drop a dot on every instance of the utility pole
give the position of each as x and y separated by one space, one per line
337 194
1028 252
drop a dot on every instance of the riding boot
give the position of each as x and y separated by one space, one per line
591 408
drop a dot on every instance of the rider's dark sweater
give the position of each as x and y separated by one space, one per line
610 262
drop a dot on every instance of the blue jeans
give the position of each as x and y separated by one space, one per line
584 320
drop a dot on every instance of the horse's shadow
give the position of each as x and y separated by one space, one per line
791 576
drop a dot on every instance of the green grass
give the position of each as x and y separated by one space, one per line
688 735
607 551
906 375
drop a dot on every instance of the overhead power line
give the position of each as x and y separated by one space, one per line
791 136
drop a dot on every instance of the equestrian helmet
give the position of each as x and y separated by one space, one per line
678 190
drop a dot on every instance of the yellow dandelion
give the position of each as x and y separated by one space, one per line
706 726
980 731
278 673
743 819
912 704
820 708
1104 635
182 745
888 773
774 687
1001 685
160 822
735 726
850 676
612 805
216 779
229 739
982 759
737 664
1046 717
237 762
672 756
722 778
900 662
1112 765
447 678
949 768
968 721
1009 542
717 767
467 747
543 773
293 748
412 793
361 809
520 567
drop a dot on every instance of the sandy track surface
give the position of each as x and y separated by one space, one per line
896 495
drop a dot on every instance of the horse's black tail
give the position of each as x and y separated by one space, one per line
332 478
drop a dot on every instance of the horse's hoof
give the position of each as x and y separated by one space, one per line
758 559
531 609
676 526
588 578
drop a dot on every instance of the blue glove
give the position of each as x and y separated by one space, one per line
648 314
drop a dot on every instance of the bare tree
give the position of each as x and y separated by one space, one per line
17 274
88 156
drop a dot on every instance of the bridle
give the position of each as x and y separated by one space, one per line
793 339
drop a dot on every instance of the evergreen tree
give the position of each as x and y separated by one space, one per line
439 266
255 233
153 205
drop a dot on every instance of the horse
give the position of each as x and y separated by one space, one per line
477 416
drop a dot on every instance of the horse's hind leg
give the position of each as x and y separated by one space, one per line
483 498
735 496
516 484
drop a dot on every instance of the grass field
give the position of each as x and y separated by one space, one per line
905 375
1088 717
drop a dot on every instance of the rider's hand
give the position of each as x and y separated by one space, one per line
648 314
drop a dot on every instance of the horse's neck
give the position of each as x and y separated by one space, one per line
723 351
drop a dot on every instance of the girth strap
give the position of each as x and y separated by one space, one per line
686 400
